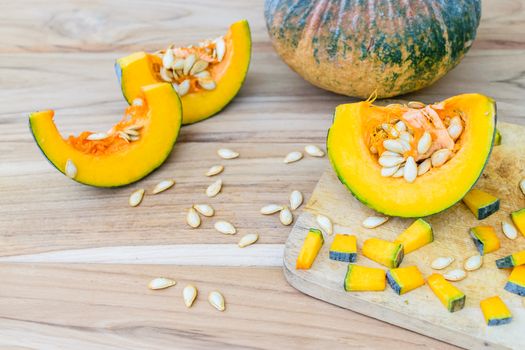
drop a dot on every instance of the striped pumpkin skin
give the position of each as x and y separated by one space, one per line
354 47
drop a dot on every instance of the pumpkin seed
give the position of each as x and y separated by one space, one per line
389 161
133 138
248 239
455 275
522 186
423 145
424 167
455 120
137 102
509 230
188 63
374 221
271 209
390 130
293 157
192 218
161 283
124 136
296 199
214 170
198 67
131 132
214 188
454 130
285 216
165 74
225 227
204 209
406 145
389 171
410 172
189 293
183 88
400 126
400 172
163 186
314 151
202 75
178 64
473 263
96 136
220 48
441 262
216 300
390 154
70 169
404 135
207 83
168 59
416 104
393 146
440 157
226 153
325 223
136 197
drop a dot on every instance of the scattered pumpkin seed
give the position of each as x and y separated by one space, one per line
178 64
220 48
296 199
202 75
225 227
389 171
374 221
163 186
198 67
97 136
207 83
455 275
455 130
184 87
401 127
136 197
165 74
509 230
214 188
440 157
325 223
70 169
248 239
192 218
214 170
416 104
473 263
293 157
226 153
405 135
188 63
271 209
400 172
390 154
410 172
216 300
204 209
393 146
424 167
168 59
314 151
441 262
424 143
285 216
161 283
189 293
405 144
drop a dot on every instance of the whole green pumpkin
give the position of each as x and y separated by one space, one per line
356 47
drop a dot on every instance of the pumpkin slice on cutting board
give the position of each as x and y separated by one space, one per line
412 160
206 76
130 150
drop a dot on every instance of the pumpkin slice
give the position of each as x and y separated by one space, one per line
363 278
485 239
207 76
495 311
404 279
518 217
130 150
416 236
513 260
386 253
481 204
312 244
344 248
516 281
412 160
450 296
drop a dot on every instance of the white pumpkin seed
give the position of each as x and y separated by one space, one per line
522 186
314 151
136 197
393 146
374 221
188 63
441 262
390 130
248 239
163 186
225 227
440 157
70 169
416 104
216 300
214 188
325 223
96 136
401 126
204 209
226 153
424 167
178 64
138 102
454 130
207 83
192 218
296 199
220 48
389 171
406 145
202 75
165 74
473 263
271 209
423 145
189 293
404 135
131 132
400 172
410 172
509 230
390 154
161 283
198 67
285 216
168 59
389 161
293 157
455 275
183 88
455 120
214 170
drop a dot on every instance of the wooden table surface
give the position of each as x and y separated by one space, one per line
75 261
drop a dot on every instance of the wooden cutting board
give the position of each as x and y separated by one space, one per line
420 310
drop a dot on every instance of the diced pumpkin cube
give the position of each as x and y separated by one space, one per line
515 259
518 217
516 281
363 278
449 295
405 279
383 252
481 203
415 236
344 248
485 239
495 311
312 244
